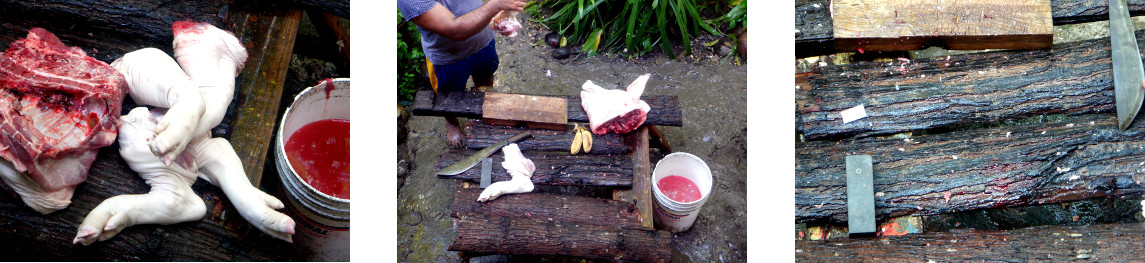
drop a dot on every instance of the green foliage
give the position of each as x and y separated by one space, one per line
634 27
411 59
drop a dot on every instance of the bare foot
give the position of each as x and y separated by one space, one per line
453 133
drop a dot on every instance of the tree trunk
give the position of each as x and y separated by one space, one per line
665 108
1050 162
554 207
540 236
1100 243
554 169
479 135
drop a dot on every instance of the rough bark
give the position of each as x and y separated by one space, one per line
538 236
1073 79
479 135
665 108
554 207
554 169
814 30
1100 243
340 8
1057 161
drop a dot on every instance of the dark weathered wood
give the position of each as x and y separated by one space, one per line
554 169
336 7
30 236
1073 78
332 35
1057 161
814 28
641 192
1098 243
539 236
268 35
885 25
543 112
665 108
479 135
106 29
554 207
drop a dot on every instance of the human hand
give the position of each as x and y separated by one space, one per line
512 5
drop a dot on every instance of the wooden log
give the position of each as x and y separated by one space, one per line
340 8
554 169
539 236
1057 161
553 207
333 36
665 108
35 237
533 111
814 29
1073 79
1100 243
268 35
479 135
107 29
885 25
641 192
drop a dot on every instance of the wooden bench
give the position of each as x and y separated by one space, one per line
616 229
109 29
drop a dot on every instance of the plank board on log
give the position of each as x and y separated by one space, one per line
534 111
1099 243
641 192
886 25
665 108
553 169
268 35
814 28
479 135
1072 79
1057 161
554 207
539 236
31 236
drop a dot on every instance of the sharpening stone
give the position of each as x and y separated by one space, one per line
486 172
860 196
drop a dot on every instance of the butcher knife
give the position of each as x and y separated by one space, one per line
472 160
1127 69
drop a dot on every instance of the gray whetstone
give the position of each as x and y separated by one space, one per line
486 172
860 196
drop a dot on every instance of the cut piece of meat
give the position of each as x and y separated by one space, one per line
57 107
619 111
506 23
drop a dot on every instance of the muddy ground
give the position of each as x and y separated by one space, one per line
713 98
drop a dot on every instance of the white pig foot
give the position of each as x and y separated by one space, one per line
165 204
258 208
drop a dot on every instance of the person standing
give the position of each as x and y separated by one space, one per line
458 44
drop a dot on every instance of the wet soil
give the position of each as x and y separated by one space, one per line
713 98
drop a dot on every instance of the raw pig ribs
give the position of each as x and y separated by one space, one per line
505 23
619 111
57 107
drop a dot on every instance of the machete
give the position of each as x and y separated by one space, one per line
472 160
1127 70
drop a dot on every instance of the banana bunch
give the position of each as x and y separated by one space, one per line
582 138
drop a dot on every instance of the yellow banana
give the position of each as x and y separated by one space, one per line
587 140
577 141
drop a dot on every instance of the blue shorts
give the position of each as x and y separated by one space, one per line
480 65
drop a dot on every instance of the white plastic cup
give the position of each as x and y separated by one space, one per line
323 221
677 216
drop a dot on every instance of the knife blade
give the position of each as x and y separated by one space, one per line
1127 69
472 160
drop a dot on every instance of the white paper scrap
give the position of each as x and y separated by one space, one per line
852 114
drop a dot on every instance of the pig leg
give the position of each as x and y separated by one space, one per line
220 165
155 79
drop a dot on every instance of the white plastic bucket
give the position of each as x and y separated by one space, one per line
677 216
323 221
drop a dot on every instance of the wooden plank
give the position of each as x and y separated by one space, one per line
1072 79
665 108
479 135
554 207
887 25
641 192
268 35
814 28
534 111
1099 243
1051 162
554 169
35 237
539 236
